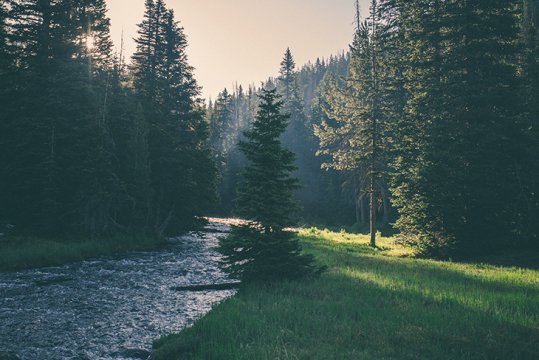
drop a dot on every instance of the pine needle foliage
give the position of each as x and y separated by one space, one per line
262 250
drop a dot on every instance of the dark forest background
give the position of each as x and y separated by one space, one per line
92 144
455 103
89 144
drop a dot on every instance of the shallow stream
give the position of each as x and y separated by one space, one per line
109 308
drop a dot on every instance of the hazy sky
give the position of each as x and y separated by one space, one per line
244 40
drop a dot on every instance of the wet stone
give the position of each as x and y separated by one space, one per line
109 308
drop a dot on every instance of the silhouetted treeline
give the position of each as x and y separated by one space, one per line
89 146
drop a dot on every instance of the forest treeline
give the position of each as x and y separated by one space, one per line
322 196
431 119
91 145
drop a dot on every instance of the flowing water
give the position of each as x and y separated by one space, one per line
109 308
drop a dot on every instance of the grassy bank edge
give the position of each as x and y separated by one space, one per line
21 253
372 304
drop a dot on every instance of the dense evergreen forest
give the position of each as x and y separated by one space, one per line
382 203
325 196
430 122
92 145
427 126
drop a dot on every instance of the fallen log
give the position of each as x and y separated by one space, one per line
205 287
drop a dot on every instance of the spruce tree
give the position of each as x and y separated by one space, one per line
299 137
229 117
421 22
101 195
181 169
43 32
357 139
488 108
529 169
66 151
6 78
265 197
221 127
287 73
129 132
459 140
93 30
5 56
262 249
82 144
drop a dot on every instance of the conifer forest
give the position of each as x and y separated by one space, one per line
378 203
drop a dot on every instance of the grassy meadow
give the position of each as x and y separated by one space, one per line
20 253
372 304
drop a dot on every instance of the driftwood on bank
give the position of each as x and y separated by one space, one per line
205 287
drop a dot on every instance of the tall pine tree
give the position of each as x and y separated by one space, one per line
458 141
529 169
181 169
357 135
262 249
56 122
299 137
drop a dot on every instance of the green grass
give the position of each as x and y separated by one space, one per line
372 304
25 253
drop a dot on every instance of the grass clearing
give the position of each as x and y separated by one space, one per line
372 304
23 253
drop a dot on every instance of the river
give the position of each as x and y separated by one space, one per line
109 308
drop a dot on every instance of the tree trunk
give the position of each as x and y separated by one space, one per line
363 211
359 202
160 228
374 115
359 215
385 203
373 213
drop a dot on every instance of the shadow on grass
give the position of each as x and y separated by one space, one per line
486 276
370 306
507 294
527 259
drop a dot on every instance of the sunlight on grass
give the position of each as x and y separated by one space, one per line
498 291
386 245
372 304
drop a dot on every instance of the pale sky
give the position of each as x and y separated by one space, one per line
244 41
